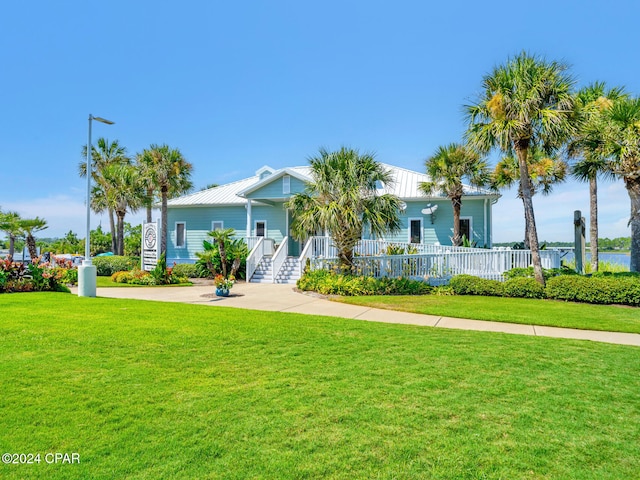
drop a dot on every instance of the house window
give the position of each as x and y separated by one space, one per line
217 225
286 184
415 230
181 230
466 228
261 228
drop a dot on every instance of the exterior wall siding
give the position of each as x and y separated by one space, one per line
274 189
198 224
441 230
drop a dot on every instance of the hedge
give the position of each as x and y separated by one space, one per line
624 290
107 266
332 283
470 285
189 270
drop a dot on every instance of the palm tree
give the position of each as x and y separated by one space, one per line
222 239
168 170
527 103
545 171
342 198
29 227
106 153
622 133
147 179
10 224
593 102
124 192
447 168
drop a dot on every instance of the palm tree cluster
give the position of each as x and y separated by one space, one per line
17 227
530 111
122 184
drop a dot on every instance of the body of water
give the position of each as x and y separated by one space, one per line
617 258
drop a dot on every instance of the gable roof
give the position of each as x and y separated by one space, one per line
407 183
301 173
405 187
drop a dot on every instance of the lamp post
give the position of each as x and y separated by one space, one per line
87 271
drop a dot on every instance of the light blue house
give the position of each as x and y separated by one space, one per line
254 208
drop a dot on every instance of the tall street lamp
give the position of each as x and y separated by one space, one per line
87 273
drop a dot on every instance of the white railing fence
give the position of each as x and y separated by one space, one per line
435 263
255 255
305 256
280 256
252 241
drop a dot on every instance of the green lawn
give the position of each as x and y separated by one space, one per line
146 390
551 313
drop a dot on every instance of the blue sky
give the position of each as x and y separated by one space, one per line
237 85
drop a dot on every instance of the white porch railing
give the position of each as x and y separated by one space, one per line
435 263
255 255
306 254
279 257
252 241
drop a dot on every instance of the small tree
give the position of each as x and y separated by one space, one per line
447 169
10 224
29 227
342 197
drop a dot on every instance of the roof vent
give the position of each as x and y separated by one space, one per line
264 172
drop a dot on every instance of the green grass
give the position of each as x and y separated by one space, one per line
106 282
549 313
146 390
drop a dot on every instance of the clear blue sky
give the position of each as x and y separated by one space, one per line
237 85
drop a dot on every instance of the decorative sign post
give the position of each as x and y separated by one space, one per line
150 248
579 250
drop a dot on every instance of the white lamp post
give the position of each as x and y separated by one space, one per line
87 271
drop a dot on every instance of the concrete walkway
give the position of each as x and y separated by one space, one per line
283 298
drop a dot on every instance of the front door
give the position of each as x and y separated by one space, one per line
415 231
261 228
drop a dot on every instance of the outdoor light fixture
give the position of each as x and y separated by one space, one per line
87 271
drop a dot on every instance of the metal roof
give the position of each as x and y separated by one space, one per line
405 186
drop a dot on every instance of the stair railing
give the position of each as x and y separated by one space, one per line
279 257
256 254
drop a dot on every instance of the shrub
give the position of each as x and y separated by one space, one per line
107 266
188 270
598 289
523 287
470 285
547 273
333 283
16 277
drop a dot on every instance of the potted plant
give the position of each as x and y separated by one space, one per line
223 284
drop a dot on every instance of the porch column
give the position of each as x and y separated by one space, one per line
484 215
286 217
248 218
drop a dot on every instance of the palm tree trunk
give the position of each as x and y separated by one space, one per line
633 188
527 231
120 242
112 226
31 245
456 240
525 186
12 246
593 223
149 204
223 257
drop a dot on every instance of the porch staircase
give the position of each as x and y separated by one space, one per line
289 273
